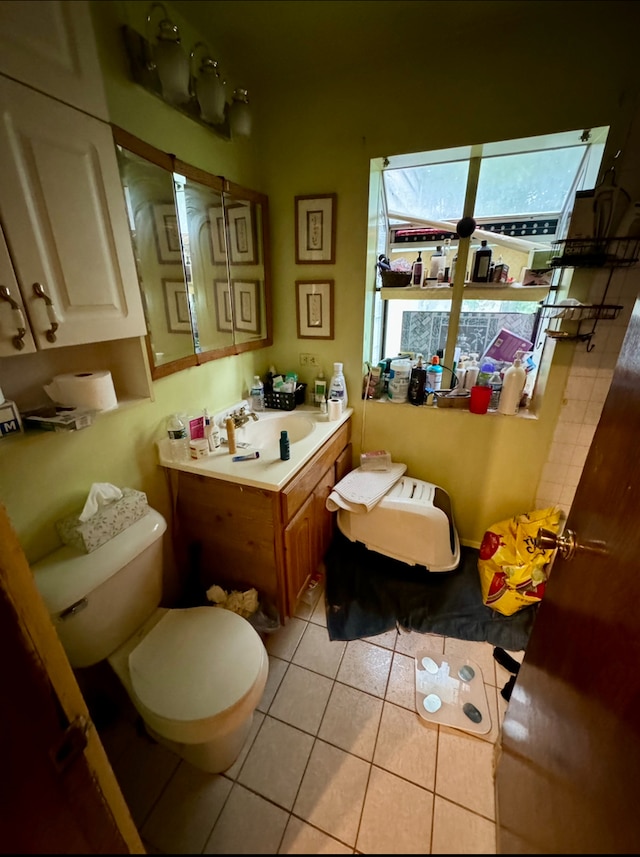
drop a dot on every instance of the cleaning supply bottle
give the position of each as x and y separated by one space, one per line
338 386
481 263
417 383
471 374
434 373
416 270
178 439
257 394
320 389
285 450
512 387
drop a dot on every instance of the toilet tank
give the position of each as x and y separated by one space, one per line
98 600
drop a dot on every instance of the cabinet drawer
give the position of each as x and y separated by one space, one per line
302 485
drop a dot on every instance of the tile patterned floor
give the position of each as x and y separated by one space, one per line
337 762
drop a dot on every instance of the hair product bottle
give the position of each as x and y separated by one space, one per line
284 446
417 383
512 387
416 270
481 263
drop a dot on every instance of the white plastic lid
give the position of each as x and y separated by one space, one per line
337 367
196 662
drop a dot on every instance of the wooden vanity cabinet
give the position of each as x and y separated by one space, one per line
240 537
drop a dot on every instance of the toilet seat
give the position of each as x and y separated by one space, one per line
196 663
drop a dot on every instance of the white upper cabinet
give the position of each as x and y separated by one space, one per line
51 47
65 225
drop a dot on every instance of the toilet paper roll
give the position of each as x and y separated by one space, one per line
92 390
335 409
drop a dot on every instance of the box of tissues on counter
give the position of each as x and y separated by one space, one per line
107 512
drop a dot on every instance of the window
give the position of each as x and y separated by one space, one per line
520 193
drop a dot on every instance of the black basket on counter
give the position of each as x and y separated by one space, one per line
285 401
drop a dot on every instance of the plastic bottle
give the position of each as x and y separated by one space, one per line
399 378
257 394
495 382
417 383
338 386
436 265
211 432
178 439
231 435
484 375
512 387
284 446
461 371
416 270
481 263
471 374
452 272
434 373
320 389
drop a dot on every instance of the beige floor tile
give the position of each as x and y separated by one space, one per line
234 770
248 824
183 818
465 771
458 831
401 689
301 699
319 615
301 838
318 653
332 792
410 807
276 762
308 600
407 746
410 642
366 667
142 774
481 653
283 642
277 669
351 721
386 640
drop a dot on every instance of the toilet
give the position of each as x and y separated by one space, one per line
195 675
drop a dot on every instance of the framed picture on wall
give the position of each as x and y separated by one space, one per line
176 306
314 309
224 315
246 305
216 234
167 234
242 234
315 227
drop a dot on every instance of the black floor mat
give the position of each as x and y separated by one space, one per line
368 593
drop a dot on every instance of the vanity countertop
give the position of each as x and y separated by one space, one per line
269 471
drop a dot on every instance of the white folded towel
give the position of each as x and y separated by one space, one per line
361 490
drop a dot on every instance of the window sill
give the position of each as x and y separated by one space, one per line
523 413
513 292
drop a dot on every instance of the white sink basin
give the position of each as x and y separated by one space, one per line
266 429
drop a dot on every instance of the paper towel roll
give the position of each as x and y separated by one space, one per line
93 390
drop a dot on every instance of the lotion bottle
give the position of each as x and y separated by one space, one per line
416 270
512 387
471 374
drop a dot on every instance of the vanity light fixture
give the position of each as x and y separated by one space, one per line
209 87
239 114
168 58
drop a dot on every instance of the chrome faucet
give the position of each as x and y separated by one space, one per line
242 416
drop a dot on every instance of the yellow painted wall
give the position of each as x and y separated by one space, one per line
318 135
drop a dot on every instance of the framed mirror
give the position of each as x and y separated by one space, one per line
201 246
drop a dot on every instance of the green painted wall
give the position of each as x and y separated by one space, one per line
317 135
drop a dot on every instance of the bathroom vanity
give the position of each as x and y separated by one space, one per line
261 523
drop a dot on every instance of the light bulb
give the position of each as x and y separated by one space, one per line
172 64
210 92
240 114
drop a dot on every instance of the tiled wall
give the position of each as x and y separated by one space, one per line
586 390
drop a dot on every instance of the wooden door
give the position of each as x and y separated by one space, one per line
58 793
568 764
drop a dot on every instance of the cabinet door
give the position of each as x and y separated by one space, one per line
324 519
51 47
65 222
15 336
300 549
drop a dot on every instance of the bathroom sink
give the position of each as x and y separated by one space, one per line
266 430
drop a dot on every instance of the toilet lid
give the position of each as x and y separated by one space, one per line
196 663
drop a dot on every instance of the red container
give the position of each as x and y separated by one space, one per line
480 397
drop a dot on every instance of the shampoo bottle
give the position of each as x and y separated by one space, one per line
284 446
434 373
512 387
416 270
231 436
338 386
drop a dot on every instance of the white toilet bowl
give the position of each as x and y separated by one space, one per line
195 675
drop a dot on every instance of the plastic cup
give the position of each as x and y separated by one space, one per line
480 398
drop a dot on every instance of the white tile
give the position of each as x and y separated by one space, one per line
600 390
276 762
458 831
187 810
572 411
410 642
277 669
573 476
579 387
553 472
465 771
386 640
579 456
592 413
407 745
585 435
351 721
283 642
401 689
301 699
560 453
248 824
301 838
410 807
318 653
550 491
332 792
366 667
567 494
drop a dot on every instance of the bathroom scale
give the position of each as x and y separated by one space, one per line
450 691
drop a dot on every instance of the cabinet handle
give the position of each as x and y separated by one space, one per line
18 318
38 288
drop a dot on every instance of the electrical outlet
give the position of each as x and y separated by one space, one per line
304 359
314 360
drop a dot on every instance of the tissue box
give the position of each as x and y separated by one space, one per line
105 524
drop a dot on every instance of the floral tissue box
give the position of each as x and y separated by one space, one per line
105 524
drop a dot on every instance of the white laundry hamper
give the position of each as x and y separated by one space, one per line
413 523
